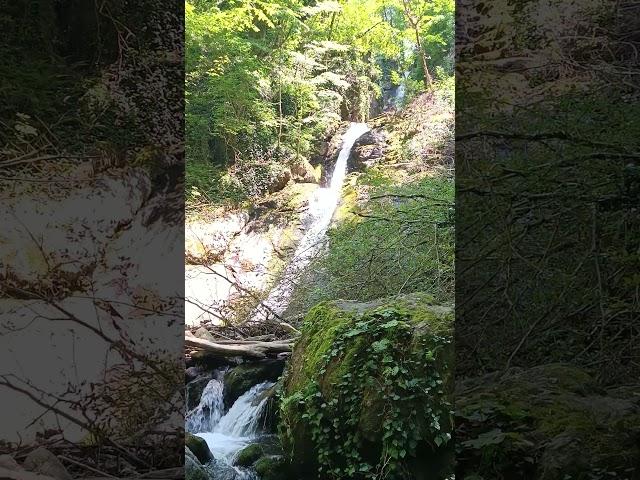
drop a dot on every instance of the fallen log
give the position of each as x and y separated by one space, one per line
240 348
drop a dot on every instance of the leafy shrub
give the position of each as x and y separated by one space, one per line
402 242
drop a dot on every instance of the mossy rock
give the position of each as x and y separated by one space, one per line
274 468
545 422
199 447
248 455
360 377
241 378
193 470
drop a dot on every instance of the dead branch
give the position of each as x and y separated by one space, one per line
240 348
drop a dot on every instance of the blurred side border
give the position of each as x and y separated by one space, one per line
91 249
548 239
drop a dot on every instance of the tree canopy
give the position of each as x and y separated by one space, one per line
266 79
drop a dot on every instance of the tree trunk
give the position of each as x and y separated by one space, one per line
333 20
415 24
243 349
423 55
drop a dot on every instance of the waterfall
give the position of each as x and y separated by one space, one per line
228 433
322 205
401 91
209 411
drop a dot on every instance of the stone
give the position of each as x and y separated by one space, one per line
194 390
241 378
44 462
563 455
279 181
204 334
9 463
273 468
367 150
193 470
191 373
198 446
304 172
548 421
249 455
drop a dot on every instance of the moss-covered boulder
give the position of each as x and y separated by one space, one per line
248 455
199 447
548 422
367 388
241 378
272 467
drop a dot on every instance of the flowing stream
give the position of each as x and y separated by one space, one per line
321 208
226 433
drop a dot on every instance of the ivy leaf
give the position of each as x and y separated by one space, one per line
380 345
492 437
391 324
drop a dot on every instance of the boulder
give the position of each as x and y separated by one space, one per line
366 363
193 470
241 378
547 422
9 463
249 455
274 468
191 373
44 462
204 334
279 180
367 150
198 446
304 172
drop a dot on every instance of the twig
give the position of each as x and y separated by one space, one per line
87 467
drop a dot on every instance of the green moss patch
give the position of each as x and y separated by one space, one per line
249 455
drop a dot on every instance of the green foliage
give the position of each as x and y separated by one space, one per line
371 394
267 79
402 242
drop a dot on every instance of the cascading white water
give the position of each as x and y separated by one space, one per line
321 208
209 411
401 91
228 433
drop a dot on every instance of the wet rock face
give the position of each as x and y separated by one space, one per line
328 152
546 422
194 390
367 150
241 378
